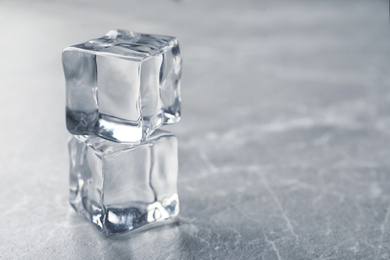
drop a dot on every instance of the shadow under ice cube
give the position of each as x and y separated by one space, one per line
120 187
122 86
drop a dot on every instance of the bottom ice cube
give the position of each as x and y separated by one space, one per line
121 187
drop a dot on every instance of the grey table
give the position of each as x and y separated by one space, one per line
284 142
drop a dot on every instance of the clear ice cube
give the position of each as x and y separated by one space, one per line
120 187
122 86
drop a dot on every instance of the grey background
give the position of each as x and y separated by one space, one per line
284 140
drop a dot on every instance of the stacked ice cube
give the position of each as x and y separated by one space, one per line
120 89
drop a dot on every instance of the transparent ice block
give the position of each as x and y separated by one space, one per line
121 187
122 86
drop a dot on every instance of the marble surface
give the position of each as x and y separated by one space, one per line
284 142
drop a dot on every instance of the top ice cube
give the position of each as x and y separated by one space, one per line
122 86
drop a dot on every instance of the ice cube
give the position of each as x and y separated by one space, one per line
120 187
122 86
